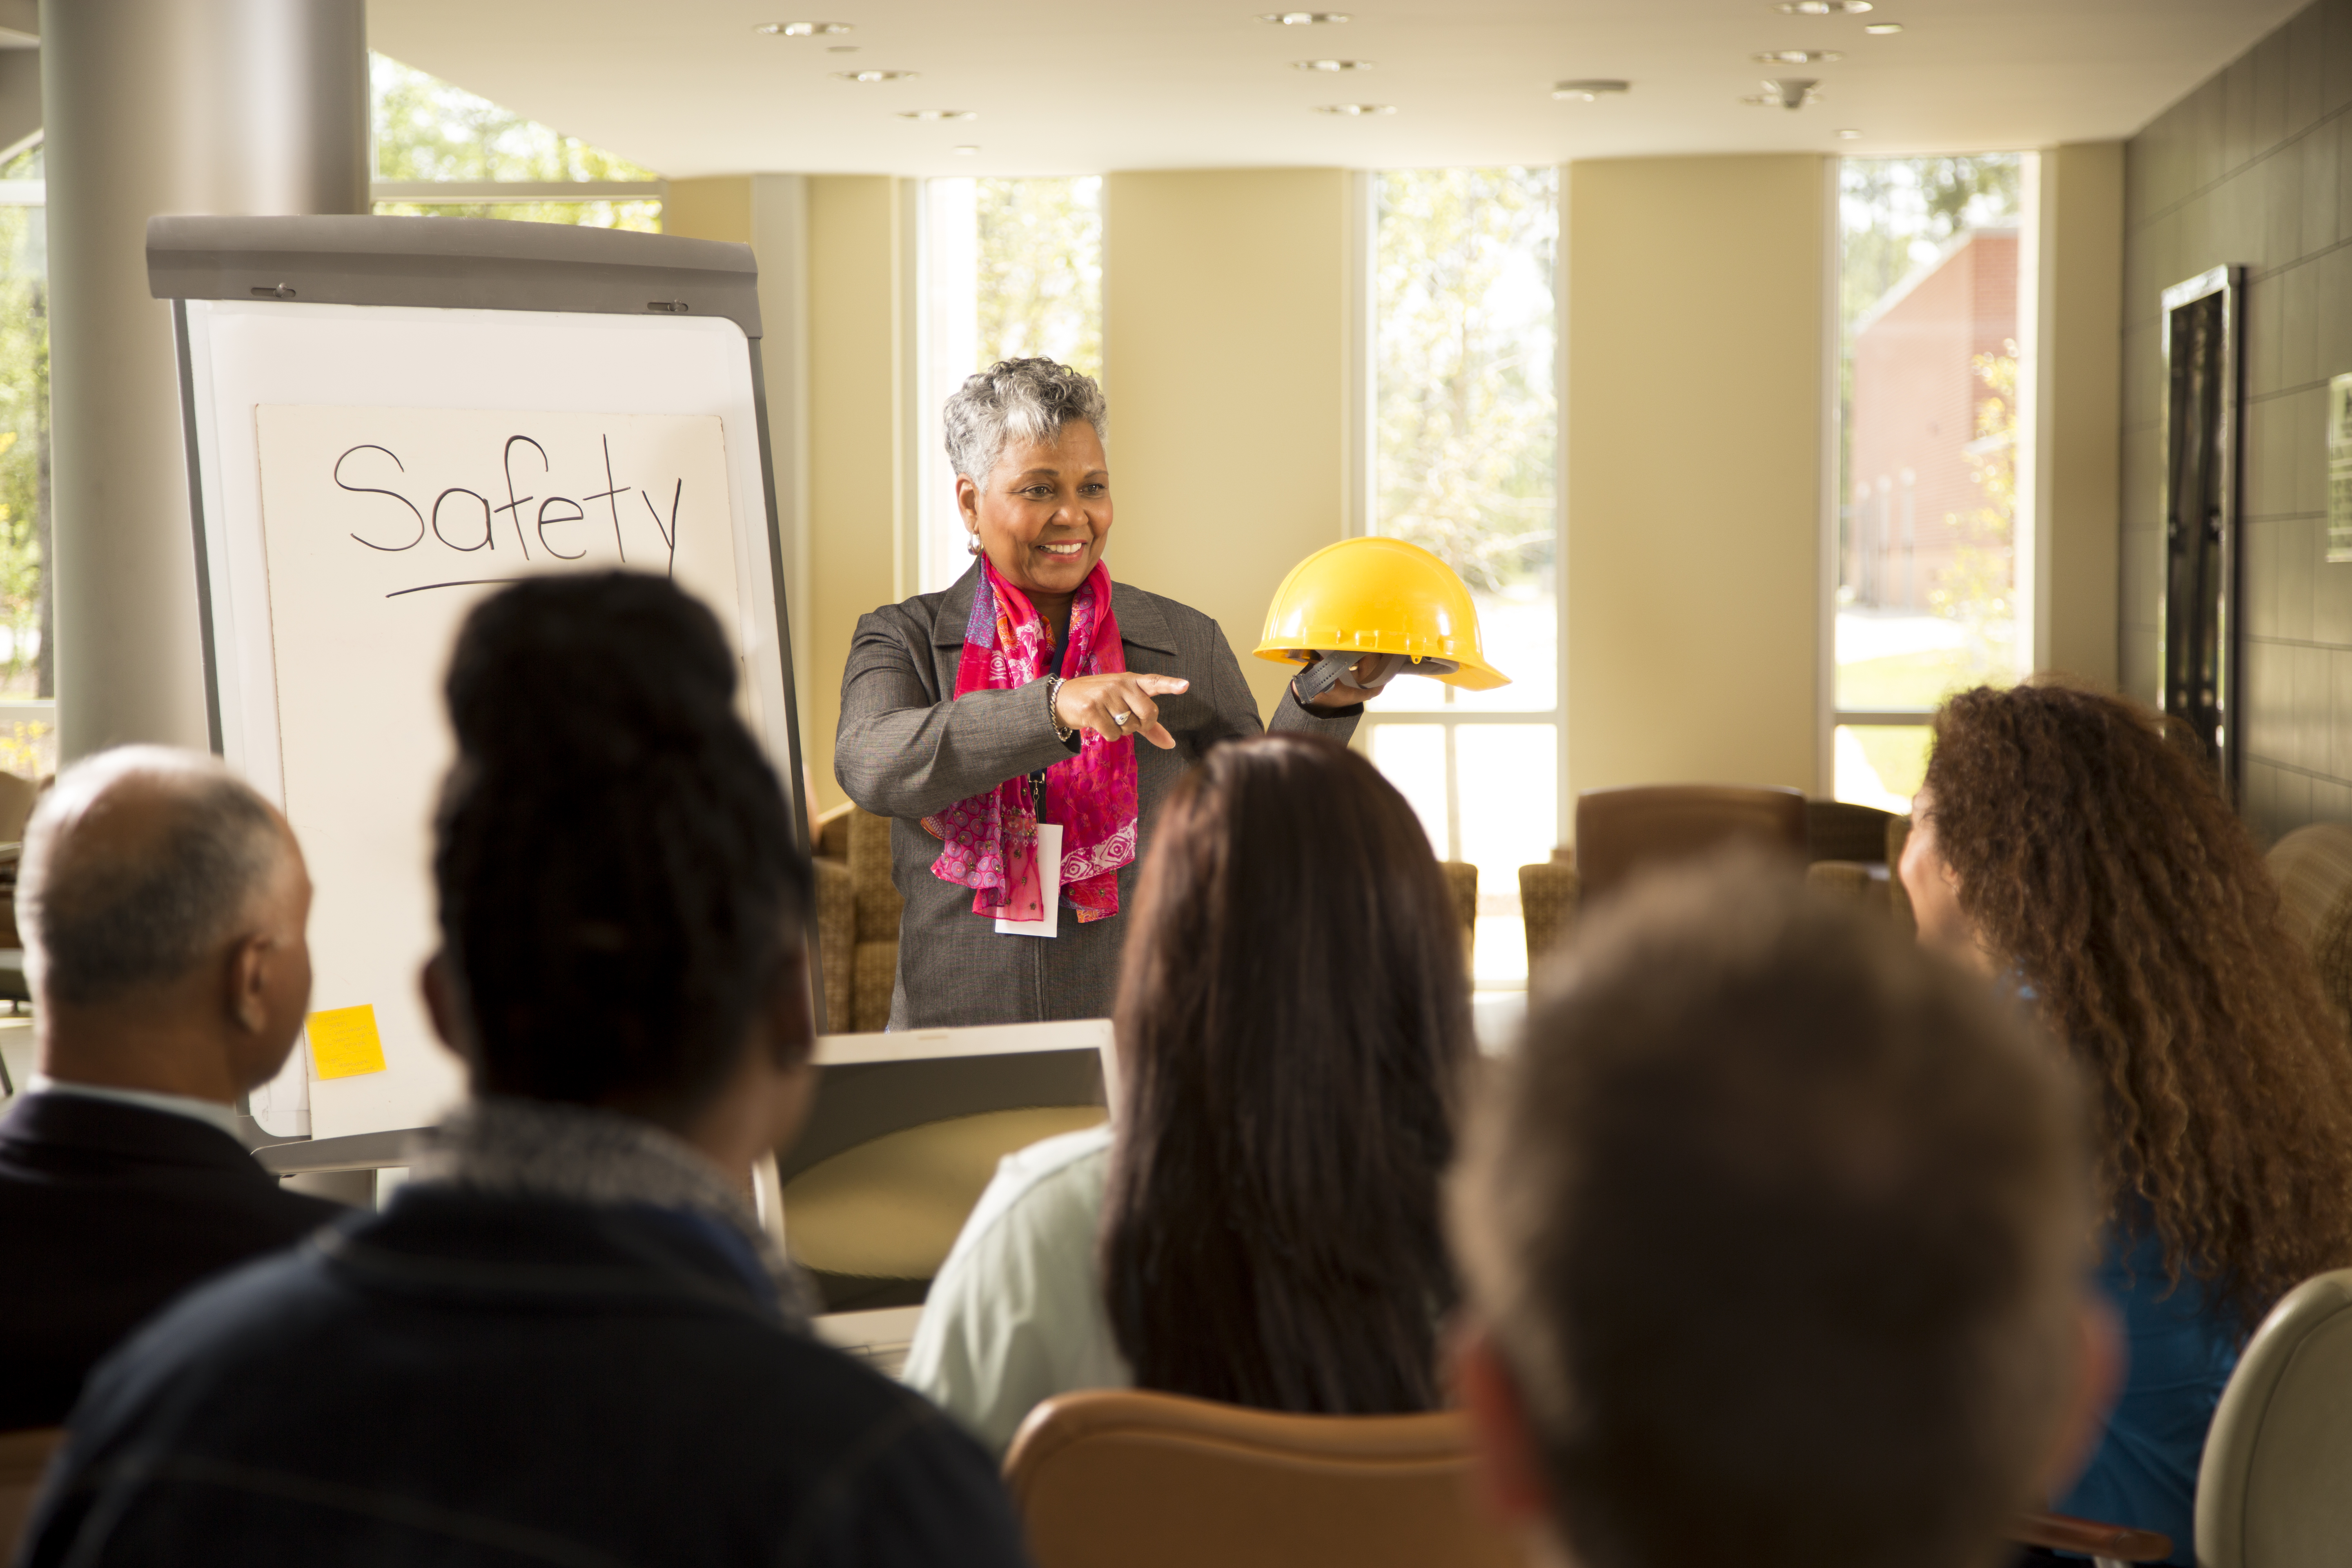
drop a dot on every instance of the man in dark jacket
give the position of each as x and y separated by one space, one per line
568 1340
164 904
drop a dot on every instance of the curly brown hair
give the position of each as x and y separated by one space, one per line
2095 852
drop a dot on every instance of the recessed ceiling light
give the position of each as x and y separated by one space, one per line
1822 7
1849 135
875 76
1797 57
1304 18
1790 92
1332 65
1881 29
801 29
1586 92
1353 110
938 114
966 152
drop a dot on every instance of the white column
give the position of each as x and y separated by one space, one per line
239 107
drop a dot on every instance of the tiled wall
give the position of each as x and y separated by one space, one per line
2256 167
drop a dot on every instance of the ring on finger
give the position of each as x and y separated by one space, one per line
1122 719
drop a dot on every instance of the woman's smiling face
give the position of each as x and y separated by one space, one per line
1045 512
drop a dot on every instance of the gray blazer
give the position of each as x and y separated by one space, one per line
905 749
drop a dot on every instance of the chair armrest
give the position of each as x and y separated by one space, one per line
2064 1532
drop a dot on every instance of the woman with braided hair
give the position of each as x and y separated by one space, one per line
2077 846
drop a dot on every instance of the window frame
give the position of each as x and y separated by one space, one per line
2029 539
1363 498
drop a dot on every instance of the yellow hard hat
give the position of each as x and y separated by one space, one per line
1379 595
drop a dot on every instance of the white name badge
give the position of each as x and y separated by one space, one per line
1049 886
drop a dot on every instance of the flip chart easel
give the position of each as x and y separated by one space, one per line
387 419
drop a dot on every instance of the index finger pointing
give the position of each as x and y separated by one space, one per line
1163 685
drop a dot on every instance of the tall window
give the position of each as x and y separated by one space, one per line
1010 269
442 151
28 675
1466 417
1929 524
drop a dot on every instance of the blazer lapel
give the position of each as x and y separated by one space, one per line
1140 621
948 625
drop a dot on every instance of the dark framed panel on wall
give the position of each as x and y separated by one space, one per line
2204 418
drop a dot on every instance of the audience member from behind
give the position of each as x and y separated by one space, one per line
567 1339
2076 848
163 904
1774 1234
1262 1225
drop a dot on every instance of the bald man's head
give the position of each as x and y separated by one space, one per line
140 864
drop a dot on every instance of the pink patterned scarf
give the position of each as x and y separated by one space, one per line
989 842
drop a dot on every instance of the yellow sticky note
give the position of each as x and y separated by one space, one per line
344 1044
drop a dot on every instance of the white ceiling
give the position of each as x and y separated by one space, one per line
686 88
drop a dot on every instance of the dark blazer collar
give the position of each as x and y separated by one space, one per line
955 608
1141 621
126 1131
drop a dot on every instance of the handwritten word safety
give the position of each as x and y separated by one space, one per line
528 509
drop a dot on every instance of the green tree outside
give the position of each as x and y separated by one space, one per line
1040 283
427 128
1465 400
25 607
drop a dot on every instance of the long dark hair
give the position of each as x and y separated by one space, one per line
617 875
2093 849
1292 1020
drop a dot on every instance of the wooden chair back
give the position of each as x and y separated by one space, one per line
1153 1480
1462 882
24 1461
1619 832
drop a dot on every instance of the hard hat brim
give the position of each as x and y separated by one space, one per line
1470 672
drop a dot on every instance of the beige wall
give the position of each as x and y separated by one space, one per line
716 208
2080 421
1225 351
856 471
770 214
1693 544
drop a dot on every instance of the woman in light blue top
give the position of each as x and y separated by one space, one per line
1262 1226
2079 844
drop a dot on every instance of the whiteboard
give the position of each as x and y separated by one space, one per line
364 475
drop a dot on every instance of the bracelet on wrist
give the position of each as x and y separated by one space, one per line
1062 731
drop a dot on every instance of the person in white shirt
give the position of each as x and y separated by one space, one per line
1260 1225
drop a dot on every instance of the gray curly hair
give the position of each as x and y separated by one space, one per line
1016 399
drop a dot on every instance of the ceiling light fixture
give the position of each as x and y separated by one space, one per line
1304 18
1332 65
1849 135
1355 110
1881 29
1822 7
938 114
1797 57
801 29
1790 92
875 76
1586 92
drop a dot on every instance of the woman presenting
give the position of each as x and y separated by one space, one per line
996 722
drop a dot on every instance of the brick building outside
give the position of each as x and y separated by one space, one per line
1912 495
